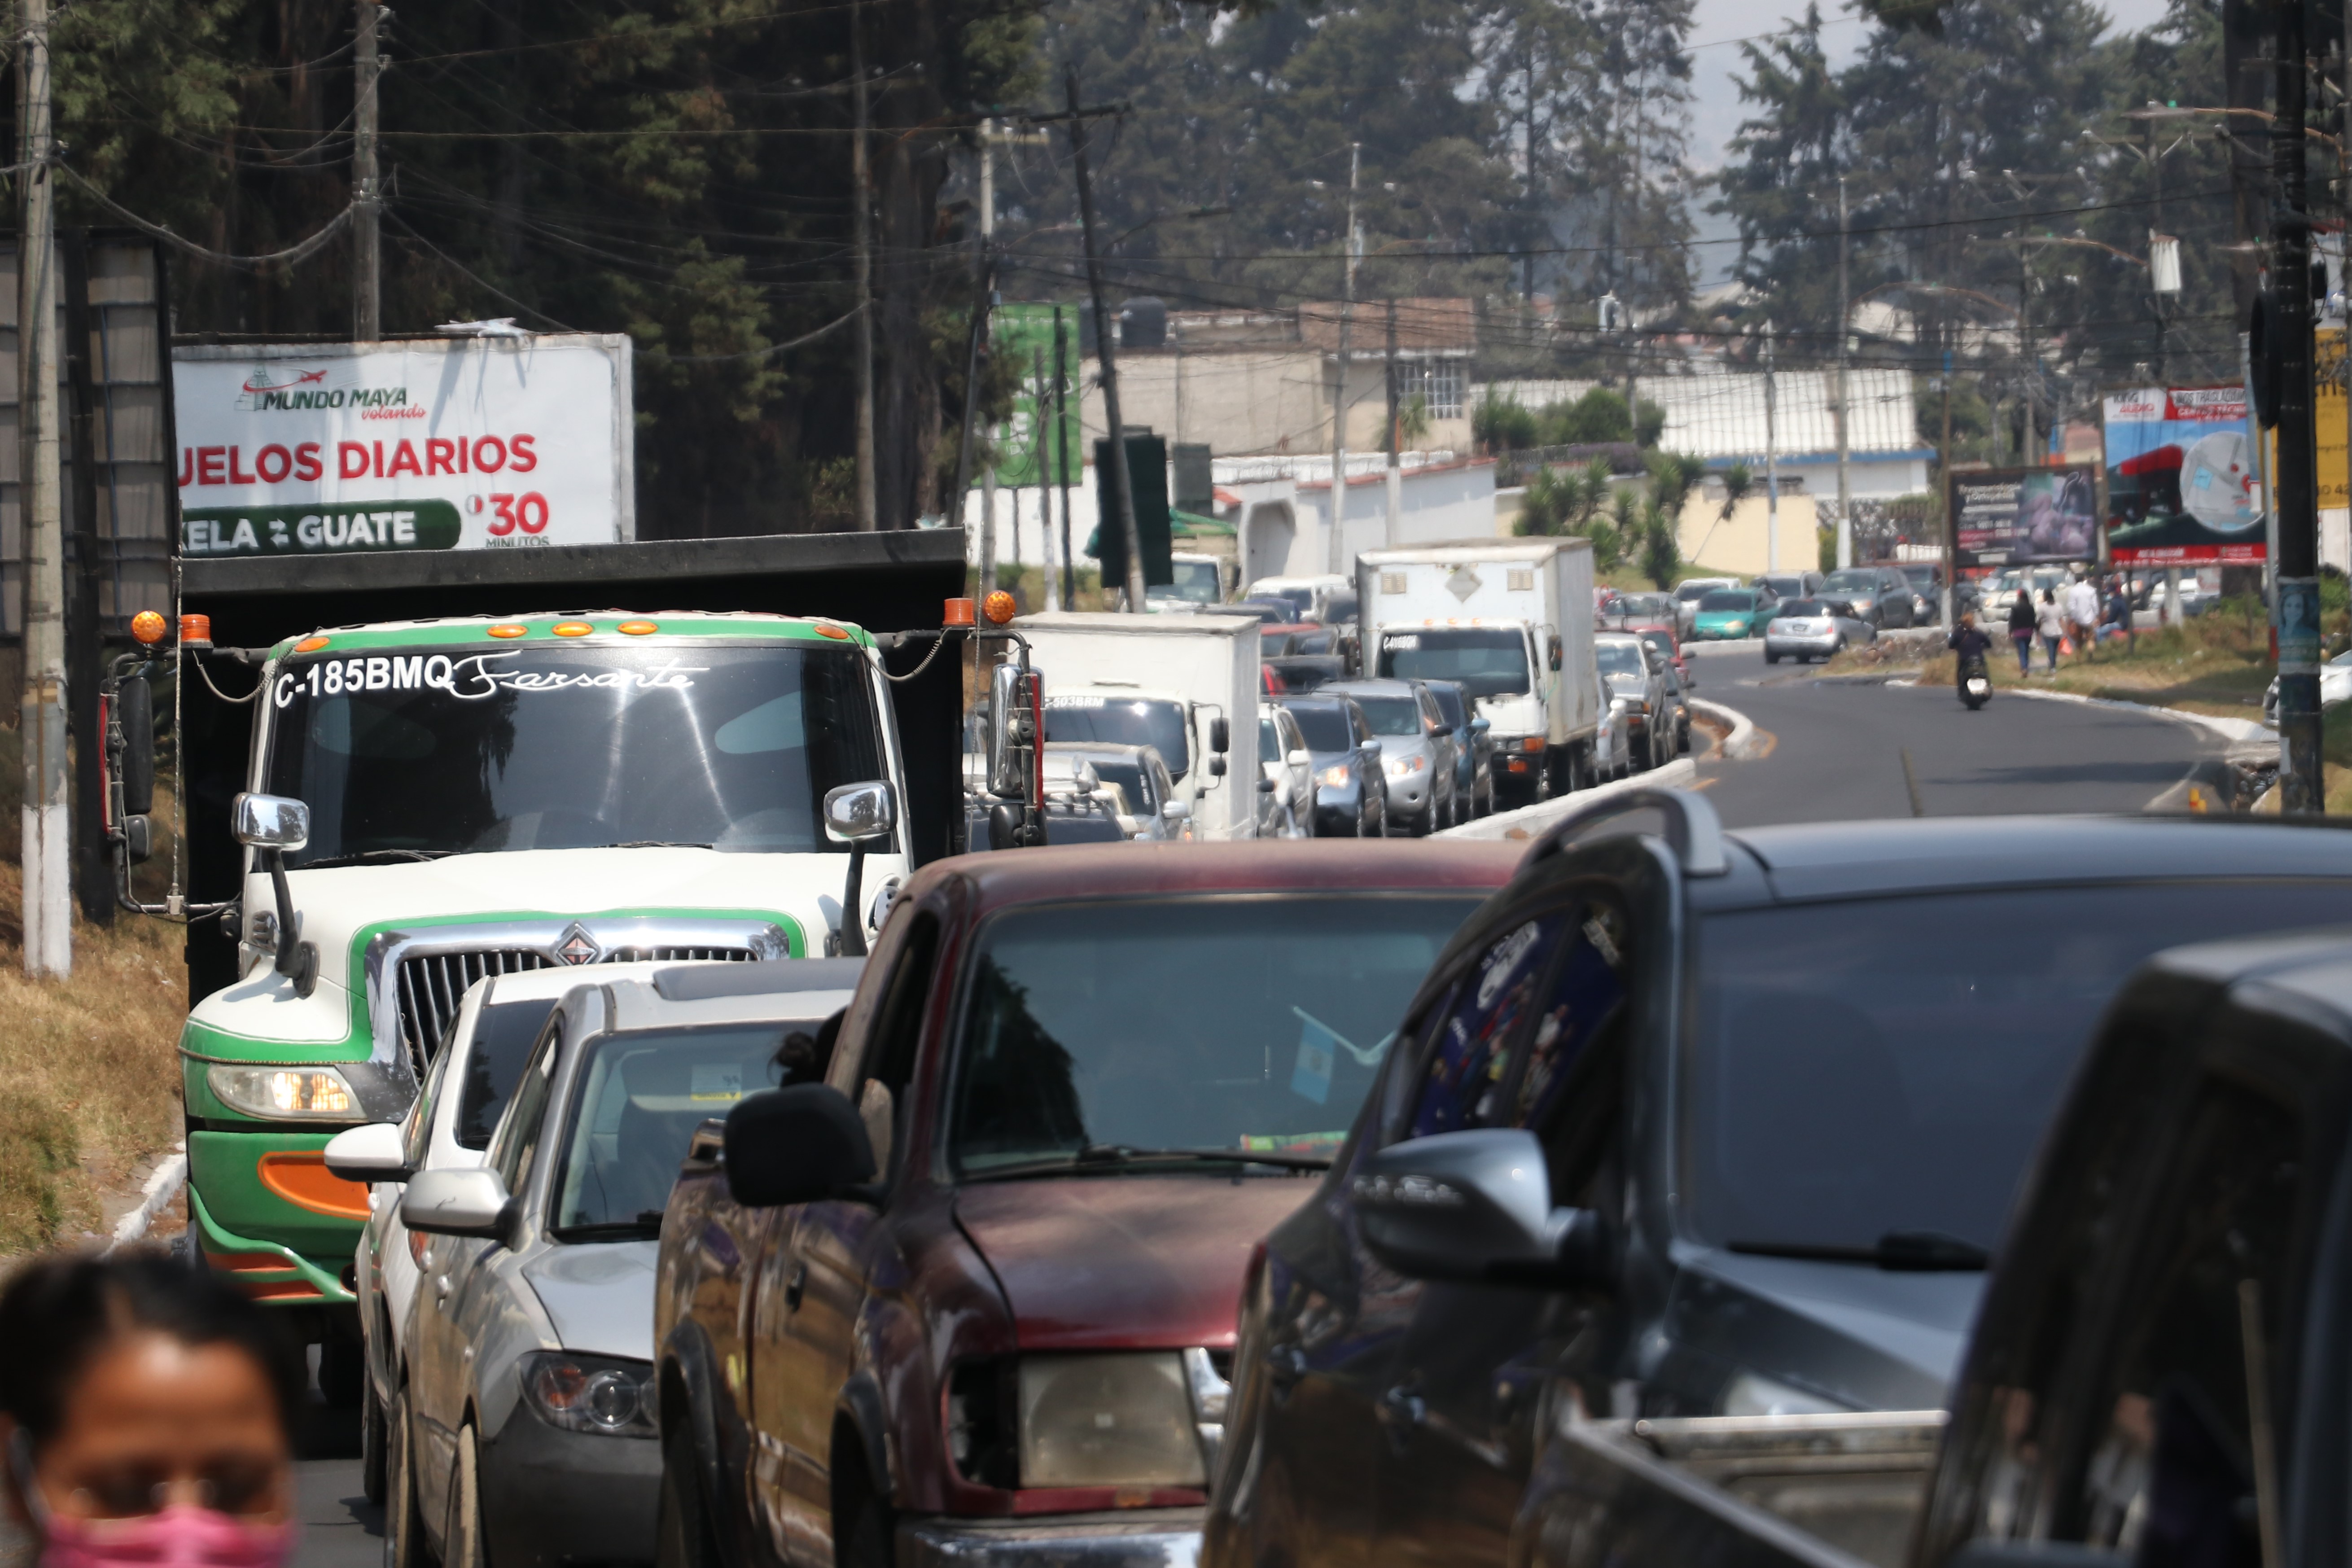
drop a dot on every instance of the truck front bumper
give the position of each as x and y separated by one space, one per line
1137 1538
278 1253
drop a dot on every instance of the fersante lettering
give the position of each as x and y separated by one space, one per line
470 678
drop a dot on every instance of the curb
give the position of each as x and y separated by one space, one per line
1740 743
2237 732
164 1183
1526 821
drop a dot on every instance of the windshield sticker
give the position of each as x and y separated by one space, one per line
1311 1077
1322 1143
469 679
717 1081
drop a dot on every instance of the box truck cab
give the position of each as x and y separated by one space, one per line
432 801
1511 621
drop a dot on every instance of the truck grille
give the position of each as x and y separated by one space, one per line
433 984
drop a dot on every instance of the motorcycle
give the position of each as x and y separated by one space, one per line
1976 681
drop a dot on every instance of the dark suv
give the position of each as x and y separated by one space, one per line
1693 1124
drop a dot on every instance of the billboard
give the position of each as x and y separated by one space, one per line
2002 517
2180 477
1029 451
446 444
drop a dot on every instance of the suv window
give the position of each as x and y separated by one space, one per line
517 1147
504 1033
416 1137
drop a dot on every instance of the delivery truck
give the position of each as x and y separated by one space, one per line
1187 685
1511 621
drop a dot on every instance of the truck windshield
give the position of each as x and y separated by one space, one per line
1221 1024
1154 721
549 747
1884 1067
1196 583
640 1096
1489 662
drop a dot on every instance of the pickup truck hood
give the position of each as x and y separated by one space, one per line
599 1295
1122 1262
1871 1338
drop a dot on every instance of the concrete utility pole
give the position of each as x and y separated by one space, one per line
861 219
1943 478
2296 608
1044 489
48 851
1337 562
988 475
1771 462
1396 439
1845 336
367 192
1122 492
1062 457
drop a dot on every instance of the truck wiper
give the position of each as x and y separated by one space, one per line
1898 1251
646 1224
366 857
1098 1155
657 844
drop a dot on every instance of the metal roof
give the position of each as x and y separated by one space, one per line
1719 414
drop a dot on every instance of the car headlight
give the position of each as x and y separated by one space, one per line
1403 767
1336 776
1751 1395
284 1093
1118 1419
1617 705
602 1395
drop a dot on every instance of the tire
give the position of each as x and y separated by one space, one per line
1769 657
462 1542
864 1532
404 1526
682 1531
372 1446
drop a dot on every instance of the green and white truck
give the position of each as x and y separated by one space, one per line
384 812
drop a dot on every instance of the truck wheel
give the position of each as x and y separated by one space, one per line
343 1371
682 1536
371 1457
404 1526
462 1542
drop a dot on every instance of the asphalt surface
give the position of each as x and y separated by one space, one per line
1838 749
340 1528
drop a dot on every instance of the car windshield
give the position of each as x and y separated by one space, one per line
1886 1066
1157 723
1196 583
1798 609
1618 658
1089 1027
1851 582
504 1033
1726 599
1389 715
1489 661
640 1096
566 747
1695 590
1269 742
1324 727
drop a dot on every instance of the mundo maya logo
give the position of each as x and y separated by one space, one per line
285 387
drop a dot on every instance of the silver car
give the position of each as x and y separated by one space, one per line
525 1433
1287 810
1806 629
1633 675
1416 750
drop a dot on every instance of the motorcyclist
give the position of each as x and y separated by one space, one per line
1971 644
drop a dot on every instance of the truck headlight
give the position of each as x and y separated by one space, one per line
603 1395
1118 1419
284 1093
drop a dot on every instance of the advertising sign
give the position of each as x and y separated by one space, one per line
2006 516
2180 477
1028 449
457 444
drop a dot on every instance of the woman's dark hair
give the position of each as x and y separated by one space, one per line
58 1313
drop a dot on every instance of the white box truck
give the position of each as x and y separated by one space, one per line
1185 684
1511 620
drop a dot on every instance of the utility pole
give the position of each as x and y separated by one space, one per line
1944 480
367 198
861 219
2295 607
1771 462
972 390
1396 439
1062 457
1045 491
47 846
1337 563
1122 497
1845 336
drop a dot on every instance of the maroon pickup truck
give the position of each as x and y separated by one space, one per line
970 1297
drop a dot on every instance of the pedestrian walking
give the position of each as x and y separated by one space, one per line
2050 622
2082 614
147 1410
2021 628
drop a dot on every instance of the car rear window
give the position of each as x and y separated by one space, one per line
1725 599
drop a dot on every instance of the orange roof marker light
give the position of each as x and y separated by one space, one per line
572 629
197 631
637 628
148 627
957 613
999 608
509 629
827 629
309 644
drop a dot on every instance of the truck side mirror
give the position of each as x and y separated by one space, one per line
860 816
1476 1206
1219 735
471 1202
1555 653
794 1145
135 711
1015 714
270 822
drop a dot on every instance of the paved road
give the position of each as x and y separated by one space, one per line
340 1528
1838 748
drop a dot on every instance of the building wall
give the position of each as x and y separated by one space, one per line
1739 544
1244 401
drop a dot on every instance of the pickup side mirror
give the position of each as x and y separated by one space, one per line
1476 1206
270 822
795 1145
458 1202
368 1153
1481 726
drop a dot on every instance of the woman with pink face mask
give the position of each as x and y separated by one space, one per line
146 1408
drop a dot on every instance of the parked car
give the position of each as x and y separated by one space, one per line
1271 612
1289 770
971 1299
1306 672
1473 751
1687 593
491 1026
524 1433
1663 641
1519 1239
1631 673
1280 642
1879 595
1147 800
1806 629
1787 584
1416 750
1351 797
1730 613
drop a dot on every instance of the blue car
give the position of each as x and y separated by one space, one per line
1473 751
